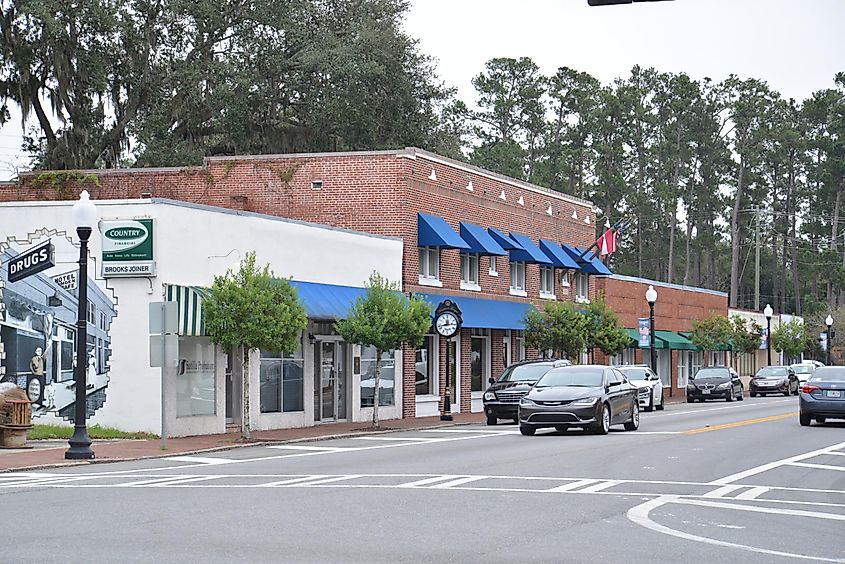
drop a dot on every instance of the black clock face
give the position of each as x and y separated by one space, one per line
446 324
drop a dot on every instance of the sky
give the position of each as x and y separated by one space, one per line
795 45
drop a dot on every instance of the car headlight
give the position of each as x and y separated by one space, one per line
489 396
585 401
724 386
526 402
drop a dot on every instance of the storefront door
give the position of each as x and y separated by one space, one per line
330 381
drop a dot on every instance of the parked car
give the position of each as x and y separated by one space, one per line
501 399
720 382
823 397
774 380
592 397
803 371
649 386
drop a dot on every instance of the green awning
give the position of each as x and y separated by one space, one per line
675 341
189 303
659 343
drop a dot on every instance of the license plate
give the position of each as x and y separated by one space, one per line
833 394
705 391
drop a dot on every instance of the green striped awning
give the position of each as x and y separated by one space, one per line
189 300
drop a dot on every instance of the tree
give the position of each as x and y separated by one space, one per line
744 340
386 319
251 309
790 338
602 329
711 333
559 328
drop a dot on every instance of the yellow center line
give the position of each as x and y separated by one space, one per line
740 423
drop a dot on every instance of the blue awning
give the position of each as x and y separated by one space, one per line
433 231
559 257
479 240
590 264
326 301
530 252
479 313
504 240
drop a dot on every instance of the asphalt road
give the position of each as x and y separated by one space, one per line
718 482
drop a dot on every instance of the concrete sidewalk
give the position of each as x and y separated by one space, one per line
45 454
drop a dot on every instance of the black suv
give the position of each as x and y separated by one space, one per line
501 399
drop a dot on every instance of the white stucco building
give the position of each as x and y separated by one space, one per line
326 380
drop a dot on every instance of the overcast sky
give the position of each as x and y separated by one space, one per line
795 45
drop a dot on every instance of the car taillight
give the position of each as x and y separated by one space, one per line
808 389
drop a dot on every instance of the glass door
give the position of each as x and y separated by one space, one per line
330 381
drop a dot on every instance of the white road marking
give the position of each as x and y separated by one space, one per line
772 465
327 481
459 481
836 453
573 486
492 431
705 410
760 509
313 448
817 466
199 459
425 481
722 492
601 486
753 493
403 439
286 482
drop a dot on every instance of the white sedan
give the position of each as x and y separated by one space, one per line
649 386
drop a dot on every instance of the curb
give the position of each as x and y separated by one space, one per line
252 443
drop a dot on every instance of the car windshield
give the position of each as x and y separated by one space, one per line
712 373
525 372
770 371
804 369
579 376
828 374
634 373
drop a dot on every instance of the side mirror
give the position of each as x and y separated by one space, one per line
611 384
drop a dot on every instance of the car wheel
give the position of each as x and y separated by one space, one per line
804 420
492 420
650 406
526 430
660 405
820 420
788 392
690 400
753 394
730 396
634 423
602 426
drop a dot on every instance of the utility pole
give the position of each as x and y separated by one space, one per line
757 260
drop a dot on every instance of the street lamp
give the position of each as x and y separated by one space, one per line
768 313
85 219
651 297
829 322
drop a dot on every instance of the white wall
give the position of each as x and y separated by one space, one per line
192 245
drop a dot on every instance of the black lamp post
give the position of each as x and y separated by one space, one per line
829 322
85 218
651 297
768 313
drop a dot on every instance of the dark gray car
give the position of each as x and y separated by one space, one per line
823 396
592 397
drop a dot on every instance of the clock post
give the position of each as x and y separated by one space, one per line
447 323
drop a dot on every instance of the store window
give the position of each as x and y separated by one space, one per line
479 363
387 377
582 287
520 346
517 277
195 378
426 367
716 358
547 281
429 263
469 271
92 313
281 378
493 266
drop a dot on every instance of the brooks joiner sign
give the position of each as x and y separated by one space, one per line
128 247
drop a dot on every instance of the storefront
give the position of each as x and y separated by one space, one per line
324 380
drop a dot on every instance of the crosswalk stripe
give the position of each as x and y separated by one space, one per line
572 486
601 486
289 481
723 491
818 466
200 460
426 481
404 439
313 448
328 480
753 493
459 481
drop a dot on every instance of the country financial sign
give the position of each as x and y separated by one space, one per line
32 261
128 247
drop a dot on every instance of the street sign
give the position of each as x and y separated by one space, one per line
32 262
127 246
170 314
171 351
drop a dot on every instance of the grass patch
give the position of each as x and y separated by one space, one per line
94 431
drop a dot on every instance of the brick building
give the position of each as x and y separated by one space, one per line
492 244
674 311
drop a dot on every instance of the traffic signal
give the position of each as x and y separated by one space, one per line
612 2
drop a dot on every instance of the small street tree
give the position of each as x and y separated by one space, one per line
745 336
711 333
790 338
386 319
251 309
602 329
560 328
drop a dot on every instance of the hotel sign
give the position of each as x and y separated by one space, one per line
32 261
128 247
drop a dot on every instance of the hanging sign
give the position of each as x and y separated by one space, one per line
66 281
32 261
644 332
127 247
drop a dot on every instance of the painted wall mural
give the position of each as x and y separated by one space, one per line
38 326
